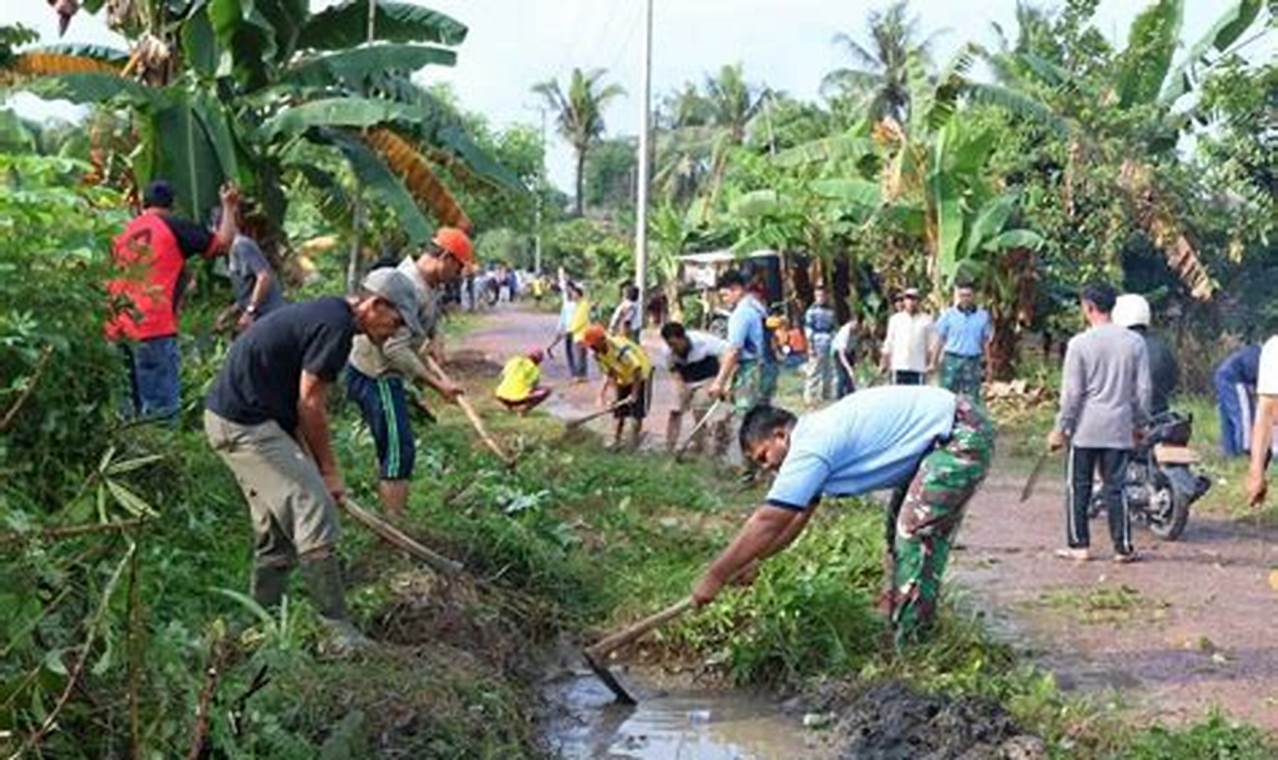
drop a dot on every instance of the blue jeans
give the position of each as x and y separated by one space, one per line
155 371
577 360
1237 404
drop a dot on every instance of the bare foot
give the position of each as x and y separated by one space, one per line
1077 555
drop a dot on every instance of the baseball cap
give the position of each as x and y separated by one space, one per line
911 293
593 336
158 194
395 287
456 242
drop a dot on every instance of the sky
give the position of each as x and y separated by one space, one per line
785 44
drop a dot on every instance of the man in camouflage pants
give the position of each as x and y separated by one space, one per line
935 445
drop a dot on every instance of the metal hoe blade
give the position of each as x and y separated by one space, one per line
605 675
1033 478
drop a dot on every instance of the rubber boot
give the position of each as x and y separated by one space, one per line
269 584
324 584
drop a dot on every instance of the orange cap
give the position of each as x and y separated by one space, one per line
457 243
594 336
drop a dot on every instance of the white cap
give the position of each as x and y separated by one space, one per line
1131 310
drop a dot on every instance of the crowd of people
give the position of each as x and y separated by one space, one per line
266 412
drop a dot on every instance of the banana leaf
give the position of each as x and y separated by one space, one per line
1151 43
353 67
346 25
378 179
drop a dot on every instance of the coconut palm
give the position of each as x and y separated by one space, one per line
881 76
579 114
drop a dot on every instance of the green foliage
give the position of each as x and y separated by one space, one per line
1216 737
345 25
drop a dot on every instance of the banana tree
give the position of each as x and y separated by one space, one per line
1128 111
225 89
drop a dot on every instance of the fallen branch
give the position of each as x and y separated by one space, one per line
78 669
400 540
204 706
12 414
70 531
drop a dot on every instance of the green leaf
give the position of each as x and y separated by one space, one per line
354 67
245 33
1015 239
90 87
185 156
286 17
1151 43
756 203
250 604
333 200
1019 104
944 196
198 44
827 149
346 25
989 222
861 193
383 184
1220 35
82 50
339 112
129 501
129 465
217 123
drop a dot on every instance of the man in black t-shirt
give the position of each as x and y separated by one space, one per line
266 416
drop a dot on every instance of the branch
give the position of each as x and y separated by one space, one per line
41 364
78 670
56 534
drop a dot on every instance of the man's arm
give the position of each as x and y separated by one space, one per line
885 356
1262 438
768 526
312 424
228 228
1072 383
1144 388
727 370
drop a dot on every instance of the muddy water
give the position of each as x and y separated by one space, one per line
673 721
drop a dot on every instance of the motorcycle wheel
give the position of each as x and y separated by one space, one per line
1168 510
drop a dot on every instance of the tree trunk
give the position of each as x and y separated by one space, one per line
580 200
1157 218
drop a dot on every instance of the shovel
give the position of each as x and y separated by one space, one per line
596 655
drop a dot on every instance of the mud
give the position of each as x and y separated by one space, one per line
892 721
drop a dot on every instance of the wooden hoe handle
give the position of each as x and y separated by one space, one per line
619 639
397 538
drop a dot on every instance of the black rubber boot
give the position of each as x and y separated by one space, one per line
269 584
324 584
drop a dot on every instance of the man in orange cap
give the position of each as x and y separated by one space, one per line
625 366
375 375
519 389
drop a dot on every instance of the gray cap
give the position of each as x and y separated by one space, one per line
394 286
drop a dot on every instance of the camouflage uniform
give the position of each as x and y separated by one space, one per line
930 515
962 375
755 383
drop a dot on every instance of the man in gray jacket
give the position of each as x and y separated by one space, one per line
1105 395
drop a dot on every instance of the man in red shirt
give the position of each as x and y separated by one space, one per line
150 258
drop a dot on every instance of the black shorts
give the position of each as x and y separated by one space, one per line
638 409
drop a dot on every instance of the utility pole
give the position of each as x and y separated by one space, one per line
641 202
541 182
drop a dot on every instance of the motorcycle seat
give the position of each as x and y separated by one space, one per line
1168 454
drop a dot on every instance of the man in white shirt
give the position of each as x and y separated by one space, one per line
906 347
1262 431
843 353
693 359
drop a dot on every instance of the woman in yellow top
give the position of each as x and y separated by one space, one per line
519 389
626 366
574 317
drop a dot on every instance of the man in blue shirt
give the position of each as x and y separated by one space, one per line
819 324
747 370
933 443
964 335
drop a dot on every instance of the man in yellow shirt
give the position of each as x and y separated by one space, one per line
625 366
519 389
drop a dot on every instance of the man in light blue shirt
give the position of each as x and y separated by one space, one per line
964 334
747 370
930 443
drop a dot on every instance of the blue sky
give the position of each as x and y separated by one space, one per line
784 43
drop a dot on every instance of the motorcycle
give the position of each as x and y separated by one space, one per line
1160 484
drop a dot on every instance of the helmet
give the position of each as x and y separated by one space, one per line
593 336
457 243
1131 310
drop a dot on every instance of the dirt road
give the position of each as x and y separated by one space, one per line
1191 626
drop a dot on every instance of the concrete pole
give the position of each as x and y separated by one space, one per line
541 181
641 202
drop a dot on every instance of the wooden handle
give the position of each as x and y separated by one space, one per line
471 415
619 639
697 428
593 415
397 538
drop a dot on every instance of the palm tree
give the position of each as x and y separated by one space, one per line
579 114
882 78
